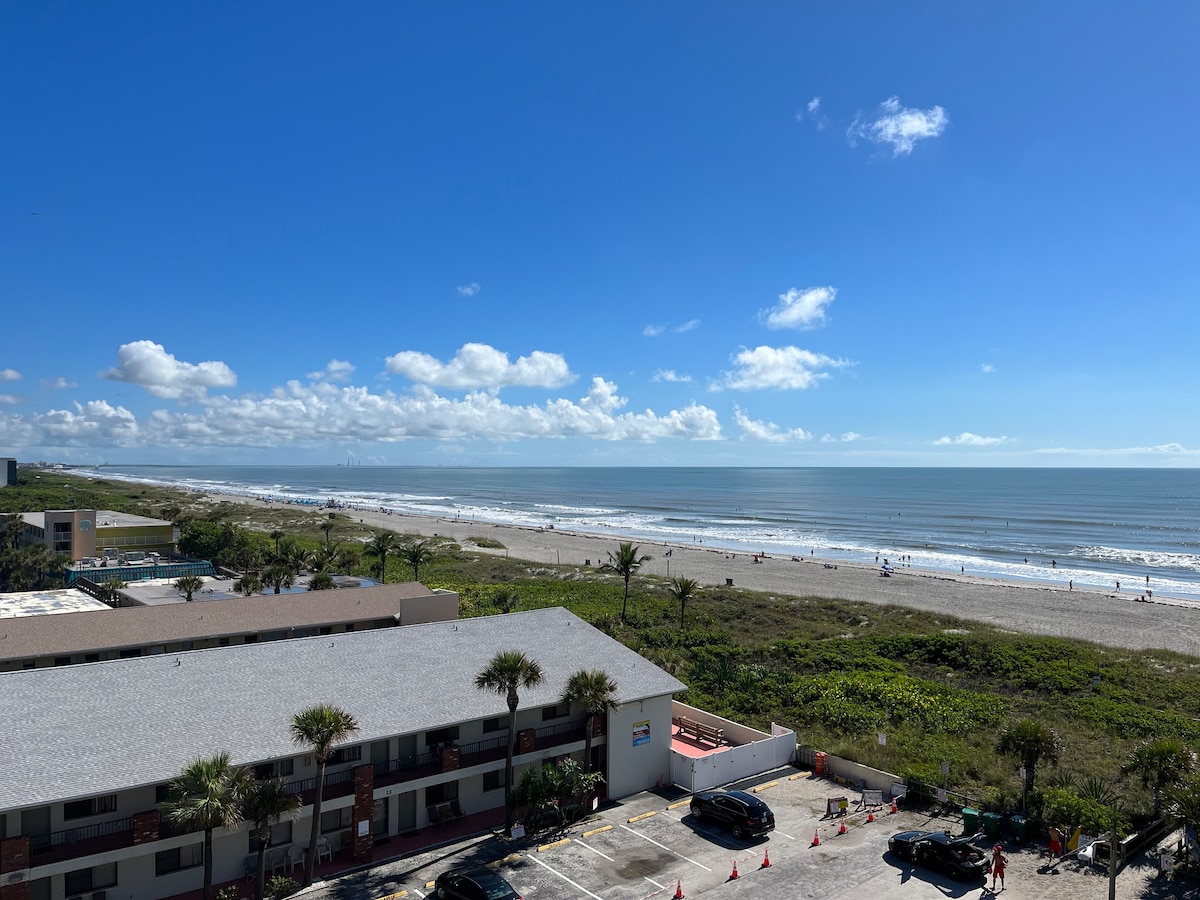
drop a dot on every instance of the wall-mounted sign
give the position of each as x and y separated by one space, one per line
641 733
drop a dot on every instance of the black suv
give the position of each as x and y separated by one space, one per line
744 813
474 884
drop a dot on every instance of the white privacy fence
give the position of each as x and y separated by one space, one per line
758 753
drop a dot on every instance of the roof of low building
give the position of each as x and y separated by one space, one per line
87 730
143 626
105 518
57 602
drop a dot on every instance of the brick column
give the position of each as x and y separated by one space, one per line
599 726
14 857
145 827
526 739
451 757
364 807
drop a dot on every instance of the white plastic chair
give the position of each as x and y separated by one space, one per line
275 860
323 850
295 856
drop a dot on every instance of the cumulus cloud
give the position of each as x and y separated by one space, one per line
987 368
468 290
814 106
60 383
758 430
11 399
787 368
847 437
335 370
898 127
483 366
93 424
670 375
689 325
653 330
9 375
150 366
967 439
799 309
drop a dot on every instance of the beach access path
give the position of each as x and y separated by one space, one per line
1110 618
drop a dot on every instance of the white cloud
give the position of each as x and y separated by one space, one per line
778 367
150 366
987 368
9 375
653 330
670 375
966 439
814 106
757 430
93 424
11 399
799 309
60 383
483 366
335 370
898 126
847 437
468 290
689 325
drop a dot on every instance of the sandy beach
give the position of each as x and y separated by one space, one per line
1103 617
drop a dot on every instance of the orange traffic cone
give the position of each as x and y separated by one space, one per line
817 838
894 809
870 816
766 859
678 890
842 826
734 875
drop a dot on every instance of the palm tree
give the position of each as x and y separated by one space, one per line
322 581
1030 742
319 728
206 795
416 555
263 804
327 526
381 545
277 536
14 528
508 671
110 591
1183 802
625 562
683 590
1160 764
597 694
278 576
188 585
294 556
506 600
248 584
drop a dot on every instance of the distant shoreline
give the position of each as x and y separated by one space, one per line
1102 617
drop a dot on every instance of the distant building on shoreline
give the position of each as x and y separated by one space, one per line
98 533
8 471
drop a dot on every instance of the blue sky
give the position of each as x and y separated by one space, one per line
600 234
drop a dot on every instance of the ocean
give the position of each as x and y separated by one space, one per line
1093 527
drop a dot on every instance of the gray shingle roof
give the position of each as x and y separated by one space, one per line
85 730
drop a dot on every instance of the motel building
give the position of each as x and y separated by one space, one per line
87 751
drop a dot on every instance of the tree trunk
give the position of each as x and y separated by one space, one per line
260 877
208 853
587 743
508 767
625 601
310 858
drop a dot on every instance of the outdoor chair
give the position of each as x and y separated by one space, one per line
295 856
456 811
251 866
323 850
275 860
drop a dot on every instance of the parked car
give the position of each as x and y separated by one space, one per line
743 813
474 884
957 857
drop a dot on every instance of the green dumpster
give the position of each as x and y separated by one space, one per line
970 820
1018 824
991 824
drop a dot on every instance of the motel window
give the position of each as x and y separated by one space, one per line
131 653
326 629
62 660
556 712
93 806
250 639
81 881
223 642
28 663
337 819
281 833
349 626
441 736
491 781
91 657
162 793
441 793
168 861
346 754
281 768
497 724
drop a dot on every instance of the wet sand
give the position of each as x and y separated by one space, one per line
1102 617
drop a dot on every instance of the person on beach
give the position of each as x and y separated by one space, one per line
999 861
1070 585
1056 843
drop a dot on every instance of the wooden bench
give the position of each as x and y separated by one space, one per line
699 731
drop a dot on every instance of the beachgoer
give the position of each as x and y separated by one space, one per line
1149 594
1070 585
1118 585
999 861
1054 564
1056 841
1147 581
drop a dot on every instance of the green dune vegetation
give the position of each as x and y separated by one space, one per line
1099 729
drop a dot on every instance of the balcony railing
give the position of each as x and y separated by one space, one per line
72 843
407 768
483 751
337 784
562 733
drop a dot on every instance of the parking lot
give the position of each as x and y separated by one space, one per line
648 844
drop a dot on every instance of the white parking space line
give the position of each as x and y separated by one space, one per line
554 871
655 883
593 849
665 847
782 834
